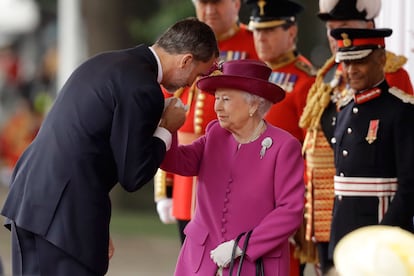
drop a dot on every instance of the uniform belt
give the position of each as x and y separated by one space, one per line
383 188
365 186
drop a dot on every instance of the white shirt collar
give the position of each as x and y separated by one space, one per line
159 77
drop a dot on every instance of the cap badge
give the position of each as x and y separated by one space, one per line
345 40
261 4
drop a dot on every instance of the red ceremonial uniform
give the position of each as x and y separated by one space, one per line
201 111
295 74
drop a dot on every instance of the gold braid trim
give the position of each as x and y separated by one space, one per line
318 98
394 62
161 181
216 73
178 92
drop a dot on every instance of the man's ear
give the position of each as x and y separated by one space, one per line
382 56
186 59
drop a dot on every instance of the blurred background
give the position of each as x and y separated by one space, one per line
42 41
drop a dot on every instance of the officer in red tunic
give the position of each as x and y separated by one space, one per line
174 194
373 140
275 32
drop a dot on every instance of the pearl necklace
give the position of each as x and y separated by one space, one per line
256 133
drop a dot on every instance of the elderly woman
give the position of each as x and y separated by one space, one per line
250 177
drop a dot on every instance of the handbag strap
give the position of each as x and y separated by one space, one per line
245 244
259 267
259 262
233 252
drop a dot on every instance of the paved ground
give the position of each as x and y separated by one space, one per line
135 255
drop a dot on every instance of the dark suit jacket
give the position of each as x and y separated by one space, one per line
99 132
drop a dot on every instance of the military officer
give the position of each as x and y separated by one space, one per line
275 29
373 140
319 118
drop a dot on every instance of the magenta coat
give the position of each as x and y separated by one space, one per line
238 191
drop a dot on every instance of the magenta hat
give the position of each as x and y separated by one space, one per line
251 76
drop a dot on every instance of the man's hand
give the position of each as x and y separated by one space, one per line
174 115
164 209
221 255
111 249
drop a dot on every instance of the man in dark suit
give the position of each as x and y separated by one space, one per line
107 126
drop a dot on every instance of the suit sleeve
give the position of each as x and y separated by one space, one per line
137 112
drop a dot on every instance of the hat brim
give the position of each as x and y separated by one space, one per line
264 89
352 55
257 25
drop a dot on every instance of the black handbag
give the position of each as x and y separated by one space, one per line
259 262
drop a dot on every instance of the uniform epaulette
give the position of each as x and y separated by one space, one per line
405 97
318 98
307 68
394 62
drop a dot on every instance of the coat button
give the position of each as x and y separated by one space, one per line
341 174
333 140
349 130
355 110
344 153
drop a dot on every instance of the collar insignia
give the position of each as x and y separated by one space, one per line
367 95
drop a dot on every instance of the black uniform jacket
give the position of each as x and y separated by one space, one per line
375 139
99 132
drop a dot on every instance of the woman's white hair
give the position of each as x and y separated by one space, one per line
264 105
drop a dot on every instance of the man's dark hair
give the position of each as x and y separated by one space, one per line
190 35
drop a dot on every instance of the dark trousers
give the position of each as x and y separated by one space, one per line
324 261
181 225
33 255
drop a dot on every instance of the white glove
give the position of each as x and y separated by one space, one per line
179 103
164 209
221 255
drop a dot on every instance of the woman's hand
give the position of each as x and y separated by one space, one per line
221 255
